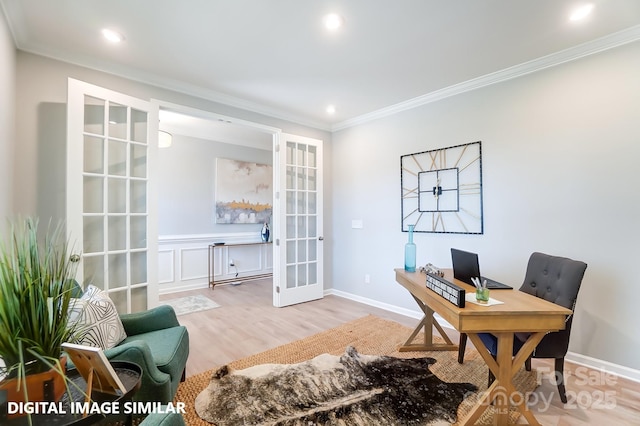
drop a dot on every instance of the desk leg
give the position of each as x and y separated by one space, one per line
426 324
502 392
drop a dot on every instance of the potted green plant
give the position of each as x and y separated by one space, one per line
37 286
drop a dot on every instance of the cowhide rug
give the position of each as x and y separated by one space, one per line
351 389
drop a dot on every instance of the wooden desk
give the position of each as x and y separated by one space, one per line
520 312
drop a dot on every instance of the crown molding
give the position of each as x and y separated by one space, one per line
171 84
610 41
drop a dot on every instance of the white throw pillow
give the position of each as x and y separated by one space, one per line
96 319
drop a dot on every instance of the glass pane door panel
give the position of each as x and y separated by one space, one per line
291 146
119 299
138 161
291 202
138 196
291 252
117 158
117 195
117 231
94 270
138 267
139 299
93 234
313 156
302 251
94 115
313 251
302 275
313 273
93 155
302 203
313 229
301 157
311 180
291 226
138 126
312 205
291 276
138 238
302 178
118 121
290 176
117 270
302 227
93 194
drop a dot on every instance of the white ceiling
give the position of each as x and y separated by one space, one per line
274 56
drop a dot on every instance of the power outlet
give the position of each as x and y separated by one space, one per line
231 262
367 279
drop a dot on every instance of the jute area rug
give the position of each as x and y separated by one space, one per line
369 335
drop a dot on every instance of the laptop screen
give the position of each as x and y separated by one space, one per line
465 265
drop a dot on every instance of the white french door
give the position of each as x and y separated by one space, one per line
109 193
298 220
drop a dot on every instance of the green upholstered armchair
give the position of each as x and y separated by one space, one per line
157 419
160 346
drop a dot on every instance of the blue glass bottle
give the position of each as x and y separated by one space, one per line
410 252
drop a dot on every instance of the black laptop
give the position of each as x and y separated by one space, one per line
467 266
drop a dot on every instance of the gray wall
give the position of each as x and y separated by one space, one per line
7 124
186 203
39 158
560 159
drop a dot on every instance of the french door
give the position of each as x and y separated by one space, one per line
109 193
298 218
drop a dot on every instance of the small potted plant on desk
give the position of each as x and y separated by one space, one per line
36 289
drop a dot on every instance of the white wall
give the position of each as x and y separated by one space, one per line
560 159
7 123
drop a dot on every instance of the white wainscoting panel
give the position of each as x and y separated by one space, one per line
184 260
166 266
193 263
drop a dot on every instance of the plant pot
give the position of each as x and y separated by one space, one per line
47 386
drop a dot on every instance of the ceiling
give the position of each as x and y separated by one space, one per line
275 57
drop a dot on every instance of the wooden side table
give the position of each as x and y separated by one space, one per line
129 373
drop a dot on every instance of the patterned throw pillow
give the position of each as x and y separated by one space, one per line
96 320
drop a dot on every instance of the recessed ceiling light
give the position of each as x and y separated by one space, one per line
112 35
333 21
331 109
581 12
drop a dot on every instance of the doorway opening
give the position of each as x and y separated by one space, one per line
189 166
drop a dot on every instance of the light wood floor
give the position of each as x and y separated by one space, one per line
247 323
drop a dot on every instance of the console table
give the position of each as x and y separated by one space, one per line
212 247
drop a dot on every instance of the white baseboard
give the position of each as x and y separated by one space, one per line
605 366
594 363
387 307
168 289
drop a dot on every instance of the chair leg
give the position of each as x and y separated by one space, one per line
184 375
527 364
462 346
559 367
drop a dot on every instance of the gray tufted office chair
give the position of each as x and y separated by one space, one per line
555 279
